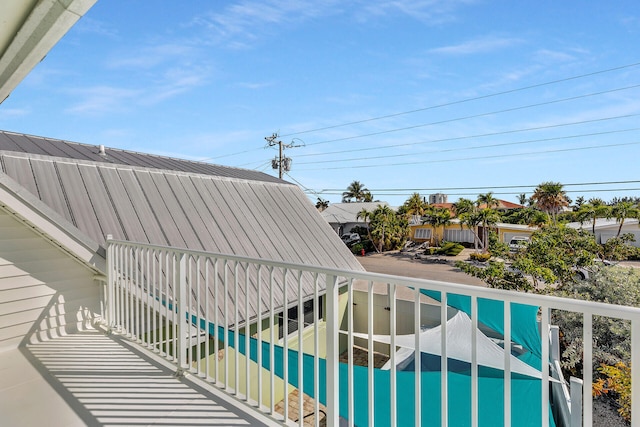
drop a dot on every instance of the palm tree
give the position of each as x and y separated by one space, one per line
322 204
623 210
462 206
472 220
415 206
592 210
488 218
550 197
381 224
487 201
522 199
356 190
437 217
365 215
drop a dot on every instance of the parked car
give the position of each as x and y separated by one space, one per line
584 273
350 239
517 242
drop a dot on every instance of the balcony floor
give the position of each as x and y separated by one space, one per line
92 379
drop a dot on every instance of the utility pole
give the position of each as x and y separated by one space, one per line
281 162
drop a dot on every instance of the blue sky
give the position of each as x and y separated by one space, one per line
461 97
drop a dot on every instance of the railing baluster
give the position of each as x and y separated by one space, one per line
392 353
474 361
226 326
587 369
350 388
183 329
333 372
189 309
259 331
197 308
371 361
216 320
300 352
247 335
507 364
417 356
175 312
544 331
635 372
166 330
155 300
110 284
207 352
285 335
236 331
444 364
316 348
149 299
138 296
272 338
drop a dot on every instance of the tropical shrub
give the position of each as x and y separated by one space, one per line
611 349
480 257
617 380
450 249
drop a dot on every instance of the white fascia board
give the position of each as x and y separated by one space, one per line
44 27
31 211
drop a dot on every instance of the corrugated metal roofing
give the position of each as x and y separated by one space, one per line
342 213
20 143
260 219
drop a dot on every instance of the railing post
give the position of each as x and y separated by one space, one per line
180 280
333 366
576 402
111 309
635 372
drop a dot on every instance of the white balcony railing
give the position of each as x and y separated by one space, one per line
216 316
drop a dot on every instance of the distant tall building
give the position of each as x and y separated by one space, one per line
437 198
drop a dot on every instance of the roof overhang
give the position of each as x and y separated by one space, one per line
28 31
43 220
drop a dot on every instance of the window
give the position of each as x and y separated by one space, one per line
309 315
422 233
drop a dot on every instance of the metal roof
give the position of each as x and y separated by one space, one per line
21 143
253 218
342 213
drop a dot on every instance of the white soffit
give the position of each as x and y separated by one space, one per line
28 31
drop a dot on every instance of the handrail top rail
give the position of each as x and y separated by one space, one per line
546 301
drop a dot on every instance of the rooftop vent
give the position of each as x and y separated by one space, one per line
101 150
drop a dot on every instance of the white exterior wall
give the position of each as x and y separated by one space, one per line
44 292
605 234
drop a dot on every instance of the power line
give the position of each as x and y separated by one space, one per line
502 193
476 158
477 147
475 116
466 100
438 106
576 184
458 138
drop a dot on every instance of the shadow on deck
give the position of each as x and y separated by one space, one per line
92 379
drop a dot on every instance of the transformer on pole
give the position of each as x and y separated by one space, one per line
281 162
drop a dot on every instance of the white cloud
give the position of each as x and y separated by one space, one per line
151 56
102 99
480 45
552 56
240 25
429 11
255 85
12 113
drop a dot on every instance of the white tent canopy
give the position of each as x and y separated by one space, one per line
458 332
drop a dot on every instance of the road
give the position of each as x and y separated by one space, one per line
404 264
